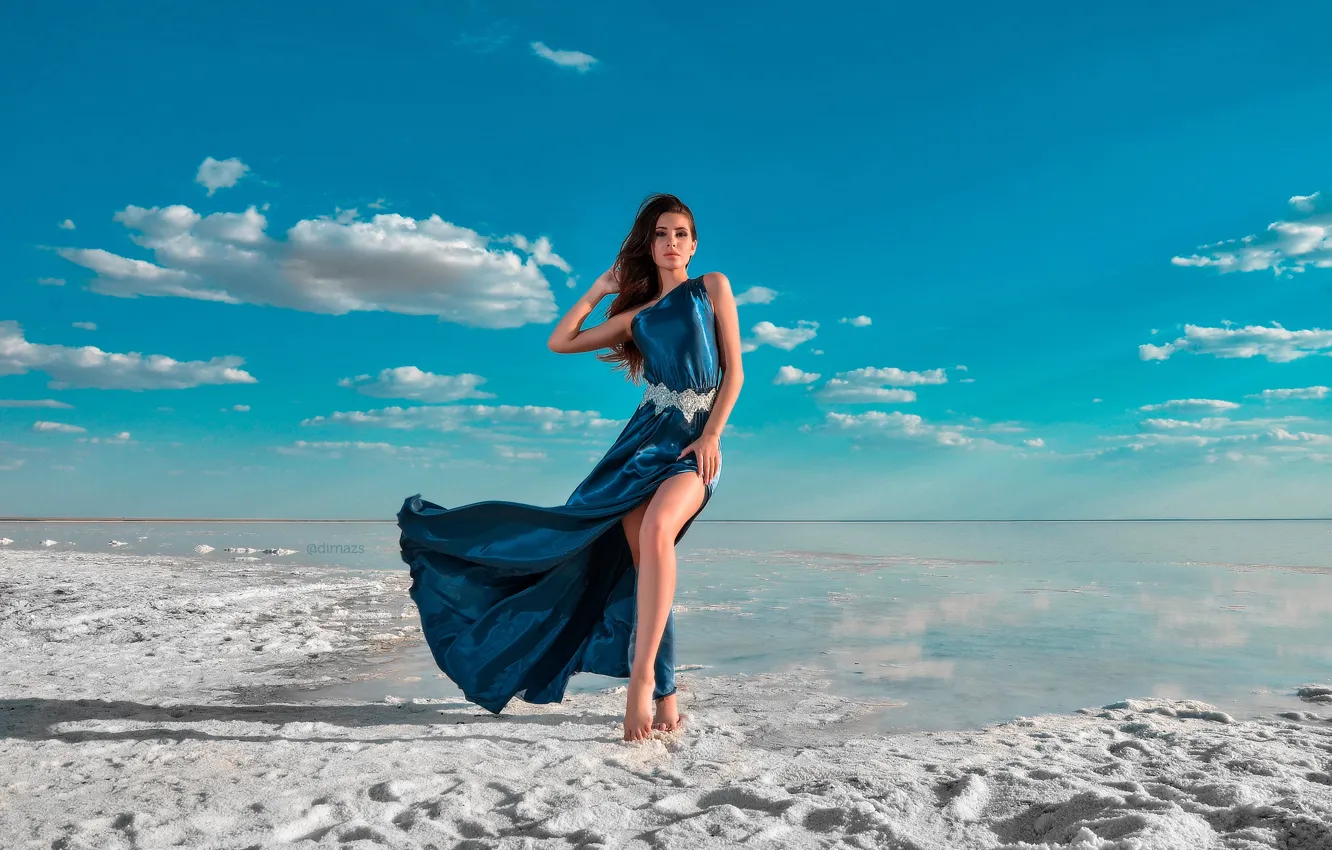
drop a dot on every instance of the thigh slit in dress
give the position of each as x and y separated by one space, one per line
514 598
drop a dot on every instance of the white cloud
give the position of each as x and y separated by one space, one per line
495 36
575 59
87 326
892 376
1189 403
515 454
1206 423
838 390
542 251
871 384
425 267
412 383
756 295
220 173
1297 393
1305 203
67 224
766 333
1212 423
897 424
89 367
118 440
43 402
1233 456
1035 443
1302 437
241 408
960 368
466 417
335 448
856 321
58 428
51 281
792 375
1275 343
1285 246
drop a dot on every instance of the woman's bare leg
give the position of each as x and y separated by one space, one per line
666 717
676 500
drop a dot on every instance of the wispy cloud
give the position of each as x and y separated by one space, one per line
1168 424
393 263
495 36
756 295
1302 437
1275 343
898 425
1295 393
119 439
57 427
575 59
412 383
90 367
51 281
464 417
1285 246
856 321
872 384
1305 203
792 375
217 174
1190 404
87 326
335 448
766 333
40 402
67 224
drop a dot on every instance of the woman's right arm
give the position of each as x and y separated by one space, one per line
569 337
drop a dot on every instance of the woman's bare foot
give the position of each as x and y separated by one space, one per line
638 711
668 717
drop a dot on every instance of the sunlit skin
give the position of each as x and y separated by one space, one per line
651 528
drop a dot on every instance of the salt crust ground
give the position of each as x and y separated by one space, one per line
124 723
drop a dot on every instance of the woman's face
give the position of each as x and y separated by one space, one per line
673 241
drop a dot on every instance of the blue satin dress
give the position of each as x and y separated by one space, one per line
514 598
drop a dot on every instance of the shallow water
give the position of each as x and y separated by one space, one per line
947 625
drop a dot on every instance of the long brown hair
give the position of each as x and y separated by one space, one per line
639 281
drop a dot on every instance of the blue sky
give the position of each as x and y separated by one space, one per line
303 262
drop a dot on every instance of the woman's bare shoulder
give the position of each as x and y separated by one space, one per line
716 282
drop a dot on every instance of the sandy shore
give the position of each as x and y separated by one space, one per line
133 714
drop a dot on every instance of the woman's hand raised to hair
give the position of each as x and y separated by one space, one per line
607 283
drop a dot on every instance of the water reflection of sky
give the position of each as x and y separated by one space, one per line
952 624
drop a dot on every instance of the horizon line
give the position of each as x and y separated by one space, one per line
782 521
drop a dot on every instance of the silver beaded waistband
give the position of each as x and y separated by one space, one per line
689 402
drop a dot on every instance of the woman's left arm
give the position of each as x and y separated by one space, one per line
728 341
707 448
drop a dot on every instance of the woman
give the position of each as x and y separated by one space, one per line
515 599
